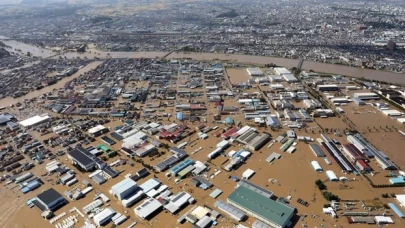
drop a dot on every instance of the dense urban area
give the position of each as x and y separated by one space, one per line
155 113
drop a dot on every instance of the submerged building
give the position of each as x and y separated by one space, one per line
271 212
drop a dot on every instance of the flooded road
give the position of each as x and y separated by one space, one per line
387 76
9 100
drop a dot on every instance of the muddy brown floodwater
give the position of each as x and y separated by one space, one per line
308 65
10 100
386 76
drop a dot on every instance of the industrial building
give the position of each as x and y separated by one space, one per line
358 101
104 216
290 78
255 72
273 213
353 153
178 202
148 208
35 120
235 213
366 96
150 184
124 189
259 141
178 155
256 188
316 149
281 71
85 160
98 130
362 166
49 200
366 148
324 88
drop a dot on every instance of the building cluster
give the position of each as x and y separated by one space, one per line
323 32
35 76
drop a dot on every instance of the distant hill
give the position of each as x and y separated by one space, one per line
4 53
229 14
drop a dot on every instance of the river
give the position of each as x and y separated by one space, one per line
60 84
370 74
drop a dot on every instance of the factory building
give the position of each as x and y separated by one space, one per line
259 141
362 166
98 130
366 96
312 103
124 188
35 120
324 88
178 202
49 200
316 149
290 78
235 213
366 148
272 213
148 208
104 216
84 159
255 72
281 71
358 101
262 191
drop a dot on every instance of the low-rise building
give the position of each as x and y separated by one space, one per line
273 213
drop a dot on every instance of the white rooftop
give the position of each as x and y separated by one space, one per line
34 120
248 173
148 207
96 129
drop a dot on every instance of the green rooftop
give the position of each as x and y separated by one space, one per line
264 207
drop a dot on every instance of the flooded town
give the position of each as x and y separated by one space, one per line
202 114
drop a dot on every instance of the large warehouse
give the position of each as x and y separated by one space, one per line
49 200
328 87
273 213
124 188
254 72
366 96
35 120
